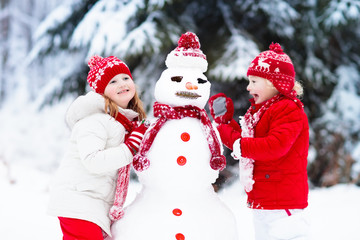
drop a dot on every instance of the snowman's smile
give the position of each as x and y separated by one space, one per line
185 94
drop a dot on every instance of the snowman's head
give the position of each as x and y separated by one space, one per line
184 83
182 86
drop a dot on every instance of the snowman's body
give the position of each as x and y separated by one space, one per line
177 200
179 154
177 196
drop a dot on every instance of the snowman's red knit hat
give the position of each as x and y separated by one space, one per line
277 67
102 70
187 53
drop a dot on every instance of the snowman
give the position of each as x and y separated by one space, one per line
179 159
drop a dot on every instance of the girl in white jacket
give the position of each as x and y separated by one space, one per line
103 141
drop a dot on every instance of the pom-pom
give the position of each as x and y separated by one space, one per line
218 162
276 48
189 40
116 213
94 60
140 163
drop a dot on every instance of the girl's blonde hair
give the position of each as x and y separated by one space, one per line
134 104
297 87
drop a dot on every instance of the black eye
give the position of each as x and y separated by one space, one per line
176 78
200 80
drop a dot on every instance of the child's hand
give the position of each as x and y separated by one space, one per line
221 108
228 135
134 140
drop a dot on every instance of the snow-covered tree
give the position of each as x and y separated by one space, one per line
336 129
18 21
321 37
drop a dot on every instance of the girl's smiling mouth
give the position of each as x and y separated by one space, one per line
123 91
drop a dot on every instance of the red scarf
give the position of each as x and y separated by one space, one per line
122 184
165 112
251 119
248 124
128 125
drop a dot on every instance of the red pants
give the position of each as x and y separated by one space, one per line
77 229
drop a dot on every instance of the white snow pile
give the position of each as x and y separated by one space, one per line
333 212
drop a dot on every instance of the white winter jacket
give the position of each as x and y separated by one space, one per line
84 185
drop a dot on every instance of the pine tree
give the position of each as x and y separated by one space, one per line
336 129
321 37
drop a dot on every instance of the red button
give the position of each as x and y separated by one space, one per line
180 236
181 160
177 212
185 136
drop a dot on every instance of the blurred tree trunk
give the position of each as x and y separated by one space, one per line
4 50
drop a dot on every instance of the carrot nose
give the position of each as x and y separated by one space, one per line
190 86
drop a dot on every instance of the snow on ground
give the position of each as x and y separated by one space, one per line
334 212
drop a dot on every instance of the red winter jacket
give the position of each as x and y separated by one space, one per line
280 150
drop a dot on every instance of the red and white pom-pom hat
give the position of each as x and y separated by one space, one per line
187 54
277 67
102 70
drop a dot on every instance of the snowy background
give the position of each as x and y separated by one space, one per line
333 212
44 46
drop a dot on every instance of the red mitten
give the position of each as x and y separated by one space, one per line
221 108
235 125
134 140
228 135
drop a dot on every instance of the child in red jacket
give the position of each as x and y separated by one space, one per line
271 145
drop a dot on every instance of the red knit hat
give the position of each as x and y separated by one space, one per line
102 70
277 67
187 53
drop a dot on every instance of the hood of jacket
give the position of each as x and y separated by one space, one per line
90 104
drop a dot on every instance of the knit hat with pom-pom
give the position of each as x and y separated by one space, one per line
187 53
102 70
277 67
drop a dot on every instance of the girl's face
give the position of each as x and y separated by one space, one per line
261 89
121 89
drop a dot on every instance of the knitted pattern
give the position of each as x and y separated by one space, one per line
165 112
102 70
248 123
122 184
117 211
277 67
187 53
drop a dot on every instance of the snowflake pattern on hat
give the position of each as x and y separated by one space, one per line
102 70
